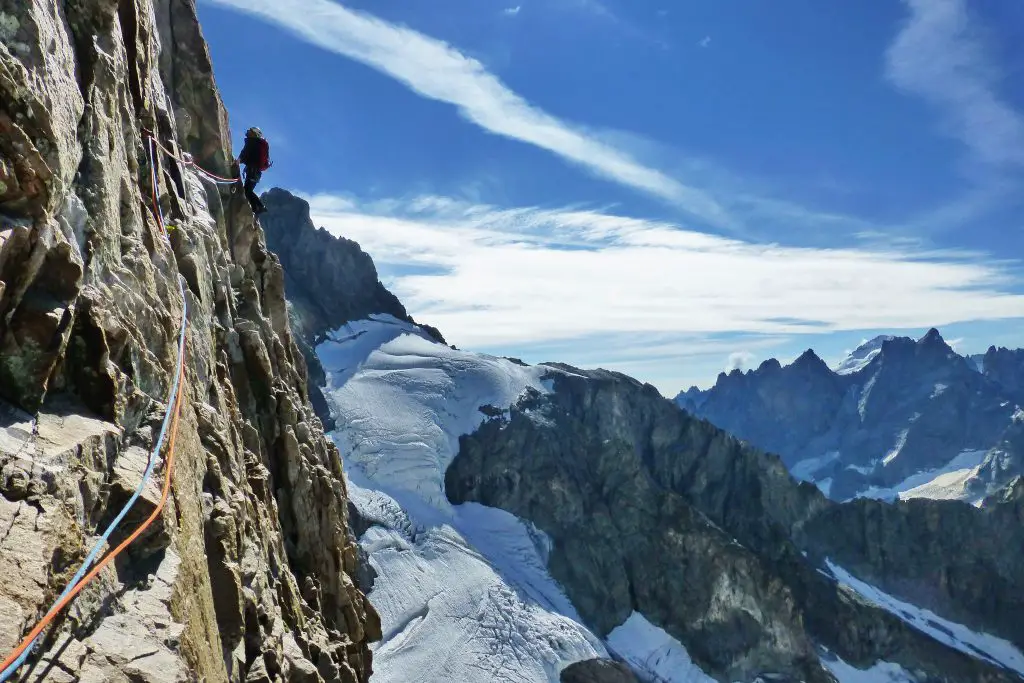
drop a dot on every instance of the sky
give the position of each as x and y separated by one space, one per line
667 189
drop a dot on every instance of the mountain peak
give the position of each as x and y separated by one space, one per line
932 337
809 359
860 357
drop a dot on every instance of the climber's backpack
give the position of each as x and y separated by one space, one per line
264 161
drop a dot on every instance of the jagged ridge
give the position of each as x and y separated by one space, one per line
901 407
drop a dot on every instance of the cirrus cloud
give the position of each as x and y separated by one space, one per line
492 277
438 71
939 55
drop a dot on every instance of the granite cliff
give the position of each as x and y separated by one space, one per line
248 573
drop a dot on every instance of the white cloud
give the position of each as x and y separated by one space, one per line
501 277
438 71
739 360
940 56
705 41
513 11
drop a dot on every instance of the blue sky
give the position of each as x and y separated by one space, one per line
663 188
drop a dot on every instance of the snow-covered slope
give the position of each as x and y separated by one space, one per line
949 482
463 591
881 672
859 358
653 654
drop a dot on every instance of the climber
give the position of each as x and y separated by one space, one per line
256 158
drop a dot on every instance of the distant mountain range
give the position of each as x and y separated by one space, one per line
897 418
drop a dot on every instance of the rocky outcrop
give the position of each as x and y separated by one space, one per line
963 562
316 262
1006 368
330 281
597 671
652 510
248 575
896 408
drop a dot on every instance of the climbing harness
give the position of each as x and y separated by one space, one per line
78 582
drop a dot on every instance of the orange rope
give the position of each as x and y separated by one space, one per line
117 551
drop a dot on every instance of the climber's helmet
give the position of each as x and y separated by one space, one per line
254 132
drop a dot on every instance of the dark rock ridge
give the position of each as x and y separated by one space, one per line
897 407
330 281
653 510
249 572
597 671
1006 368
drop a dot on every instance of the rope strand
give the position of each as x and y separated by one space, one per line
188 161
147 475
110 557
77 583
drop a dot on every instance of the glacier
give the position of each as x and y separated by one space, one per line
463 591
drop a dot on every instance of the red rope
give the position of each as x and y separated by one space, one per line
189 161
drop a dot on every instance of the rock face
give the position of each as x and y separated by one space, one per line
894 411
651 510
1006 368
330 281
316 263
597 671
248 574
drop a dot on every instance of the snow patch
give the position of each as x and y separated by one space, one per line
865 393
880 672
807 468
945 483
653 654
901 441
862 356
979 645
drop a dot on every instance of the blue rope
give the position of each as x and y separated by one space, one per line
153 456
